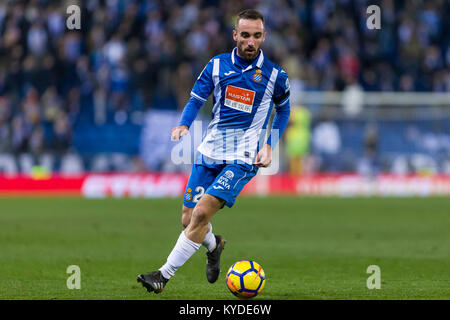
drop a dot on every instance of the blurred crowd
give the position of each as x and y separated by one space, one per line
134 55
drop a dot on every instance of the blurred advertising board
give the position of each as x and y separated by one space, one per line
154 185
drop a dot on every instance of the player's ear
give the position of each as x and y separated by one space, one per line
234 35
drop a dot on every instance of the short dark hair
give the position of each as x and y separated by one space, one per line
249 14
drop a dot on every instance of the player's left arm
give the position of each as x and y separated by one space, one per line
282 107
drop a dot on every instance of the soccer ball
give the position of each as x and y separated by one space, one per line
245 279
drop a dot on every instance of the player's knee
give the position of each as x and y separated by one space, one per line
200 215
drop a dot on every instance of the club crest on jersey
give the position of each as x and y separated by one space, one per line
257 77
188 195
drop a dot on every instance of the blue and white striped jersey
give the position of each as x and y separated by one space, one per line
243 99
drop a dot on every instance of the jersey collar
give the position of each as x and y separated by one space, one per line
258 64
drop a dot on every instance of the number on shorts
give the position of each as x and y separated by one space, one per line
200 191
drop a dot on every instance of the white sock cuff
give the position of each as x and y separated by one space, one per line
190 242
183 250
210 240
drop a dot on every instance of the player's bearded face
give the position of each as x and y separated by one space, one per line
249 35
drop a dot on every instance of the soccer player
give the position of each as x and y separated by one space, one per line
245 87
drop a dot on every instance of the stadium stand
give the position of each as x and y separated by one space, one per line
80 97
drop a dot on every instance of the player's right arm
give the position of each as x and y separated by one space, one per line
199 95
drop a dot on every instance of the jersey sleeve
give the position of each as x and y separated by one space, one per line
282 89
204 84
282 107
190 112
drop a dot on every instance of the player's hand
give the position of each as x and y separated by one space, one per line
178 132
264 157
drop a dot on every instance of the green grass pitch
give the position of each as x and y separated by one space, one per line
310 248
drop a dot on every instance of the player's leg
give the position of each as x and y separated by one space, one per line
192 237
227 185
200 227
209 242
201 177
194 206
201 216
